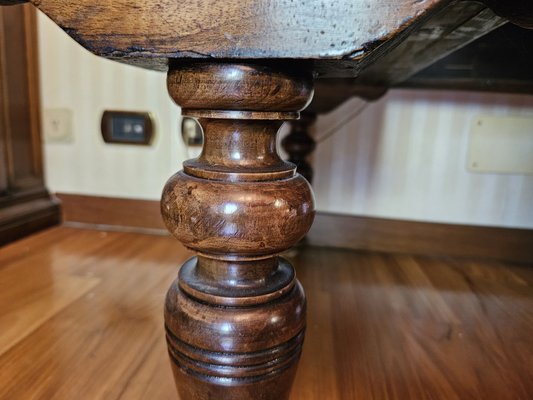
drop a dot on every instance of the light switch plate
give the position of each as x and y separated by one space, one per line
501 144
127 127
57 125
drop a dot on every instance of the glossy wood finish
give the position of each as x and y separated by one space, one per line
235 317
331 230
80 313
80 318
25 205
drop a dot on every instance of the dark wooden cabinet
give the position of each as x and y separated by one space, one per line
25 204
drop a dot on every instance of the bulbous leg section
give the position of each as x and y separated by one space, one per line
235 317
237 219
235 346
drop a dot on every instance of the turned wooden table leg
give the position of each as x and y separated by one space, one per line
235 317
299 144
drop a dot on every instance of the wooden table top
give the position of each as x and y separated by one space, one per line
337 38
366 46
236 29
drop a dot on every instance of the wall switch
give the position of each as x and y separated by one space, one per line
501 144
127 127
57 125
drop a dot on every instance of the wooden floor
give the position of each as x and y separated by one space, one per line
81 318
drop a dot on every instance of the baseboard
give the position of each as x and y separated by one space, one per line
343 231
22 219
94 210
398 236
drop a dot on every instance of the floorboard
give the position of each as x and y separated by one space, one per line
81 318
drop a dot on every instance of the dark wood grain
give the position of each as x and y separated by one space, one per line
25 205
332 92
501 61
235 317
80 317
20 113
23 218
235 29
341 38
417 47
112 211
519 12
449 30
379 234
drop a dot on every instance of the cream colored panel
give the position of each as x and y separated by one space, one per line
501 144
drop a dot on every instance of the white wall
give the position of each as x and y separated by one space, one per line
74 78
403 157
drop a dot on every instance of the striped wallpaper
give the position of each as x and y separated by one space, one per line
73 78
403 157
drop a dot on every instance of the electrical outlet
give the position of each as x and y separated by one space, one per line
127 127
57 125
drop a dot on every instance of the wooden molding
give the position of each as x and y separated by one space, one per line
94 210
398 236
21 219
25 205
20 135
351 232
